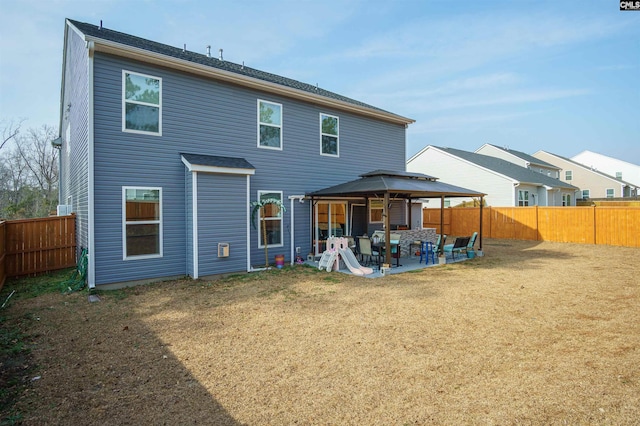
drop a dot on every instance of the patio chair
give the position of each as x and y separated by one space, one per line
459 245
428 250
366 251
394 239
442 239
472 242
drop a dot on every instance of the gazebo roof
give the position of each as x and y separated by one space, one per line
396 183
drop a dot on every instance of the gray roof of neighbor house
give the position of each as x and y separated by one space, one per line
526 157
519 173
243 72
403 184
590 169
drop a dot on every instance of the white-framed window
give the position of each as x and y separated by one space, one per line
568 175
141 222
566 199
376 207
523 198
585 194
619 175
70 204
269 125
610 192
141 103
272 215
329 135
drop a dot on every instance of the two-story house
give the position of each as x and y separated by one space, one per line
504 182
592 183
520 158
164 150
621 170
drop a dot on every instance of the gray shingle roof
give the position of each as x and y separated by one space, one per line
526 157
414 185
217 161
202 59
507 168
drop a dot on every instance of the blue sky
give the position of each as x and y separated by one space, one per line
559 76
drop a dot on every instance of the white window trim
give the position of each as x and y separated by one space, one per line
524 199
588 191
613 192
272 125
280 218
124 104
377 208
570 173
138 222
337 136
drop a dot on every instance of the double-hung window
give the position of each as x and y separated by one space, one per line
142 222
585 194
610 192
269 125
329 135
376 208
568 175
523 198
270 216
141 103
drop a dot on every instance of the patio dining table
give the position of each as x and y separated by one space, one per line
380 247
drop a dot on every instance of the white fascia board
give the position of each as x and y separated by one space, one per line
113 48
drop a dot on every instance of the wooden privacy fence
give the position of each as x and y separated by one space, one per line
616 226
33 246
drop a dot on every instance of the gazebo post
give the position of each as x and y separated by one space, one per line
481 203
442 215
387 230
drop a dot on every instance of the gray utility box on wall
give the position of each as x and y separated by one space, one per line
223 249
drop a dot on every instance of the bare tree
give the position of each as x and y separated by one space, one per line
29 171
10 131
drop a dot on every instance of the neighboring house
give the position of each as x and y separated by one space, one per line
619 169
592 183
521 159
164 150
505 183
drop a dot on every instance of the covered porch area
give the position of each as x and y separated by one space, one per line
380 201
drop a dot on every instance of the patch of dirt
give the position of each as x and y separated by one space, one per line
534 333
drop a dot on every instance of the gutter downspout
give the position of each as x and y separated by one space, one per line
91 273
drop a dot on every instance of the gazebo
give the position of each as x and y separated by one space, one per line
393 185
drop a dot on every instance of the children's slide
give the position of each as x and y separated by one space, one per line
352 263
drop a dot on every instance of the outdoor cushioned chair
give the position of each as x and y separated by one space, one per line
458 246
366 252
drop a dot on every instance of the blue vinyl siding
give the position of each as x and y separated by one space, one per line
74 181
204 116
222 218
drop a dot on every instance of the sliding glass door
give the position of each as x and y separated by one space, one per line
331 221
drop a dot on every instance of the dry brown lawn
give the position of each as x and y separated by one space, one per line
532 333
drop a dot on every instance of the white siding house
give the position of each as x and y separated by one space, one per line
592 183
505 183
619 169
521 159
